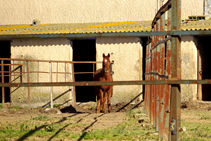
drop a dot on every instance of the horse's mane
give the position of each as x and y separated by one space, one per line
97 73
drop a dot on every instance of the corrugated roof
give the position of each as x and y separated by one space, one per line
197 25
106 27
135 26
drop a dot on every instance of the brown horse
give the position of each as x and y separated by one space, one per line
103 91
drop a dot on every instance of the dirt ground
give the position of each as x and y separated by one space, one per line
84 112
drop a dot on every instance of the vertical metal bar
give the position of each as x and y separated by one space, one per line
152 86
155 77
65 71
149 77
74 90
14 70
146 86
159 53
10 82
112 72
2 80
93 69
38 72
57 73
146 78
50 71
21 74
157 64
161 71
166 135
175 71
27 63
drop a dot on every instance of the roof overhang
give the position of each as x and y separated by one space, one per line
94 30
118 34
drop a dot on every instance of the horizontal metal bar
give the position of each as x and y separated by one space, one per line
163 9
158 74
12 64
98 83
83 72
160 42
148 57
48 61
116 34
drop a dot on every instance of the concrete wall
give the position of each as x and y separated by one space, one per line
188 67
127 55
42 49
188 7
81 11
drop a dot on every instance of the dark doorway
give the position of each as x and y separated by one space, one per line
5 53
204 68
84 50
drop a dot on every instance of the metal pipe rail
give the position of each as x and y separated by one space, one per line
98 83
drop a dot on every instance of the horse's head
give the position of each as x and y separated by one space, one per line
106 63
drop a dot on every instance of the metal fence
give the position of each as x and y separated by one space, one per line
28 71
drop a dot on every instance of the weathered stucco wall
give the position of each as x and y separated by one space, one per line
189 68
189 7
80 11
127 55
42 49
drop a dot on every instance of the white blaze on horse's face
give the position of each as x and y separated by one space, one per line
106 63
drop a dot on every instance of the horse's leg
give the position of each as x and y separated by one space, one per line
101 100
97 93
109 99
104 100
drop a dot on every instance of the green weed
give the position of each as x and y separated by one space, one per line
205 117
92 107
41 118
197 131
14 107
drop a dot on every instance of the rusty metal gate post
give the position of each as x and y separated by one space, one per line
175 71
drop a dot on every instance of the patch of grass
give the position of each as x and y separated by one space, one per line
130 113
197 130
92 107
41 118
14 107
52 127
128 130
205 117
54 106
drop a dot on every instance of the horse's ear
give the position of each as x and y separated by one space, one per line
108 54
103 55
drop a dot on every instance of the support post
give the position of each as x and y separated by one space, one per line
50 71
175 97
74 91
28 82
